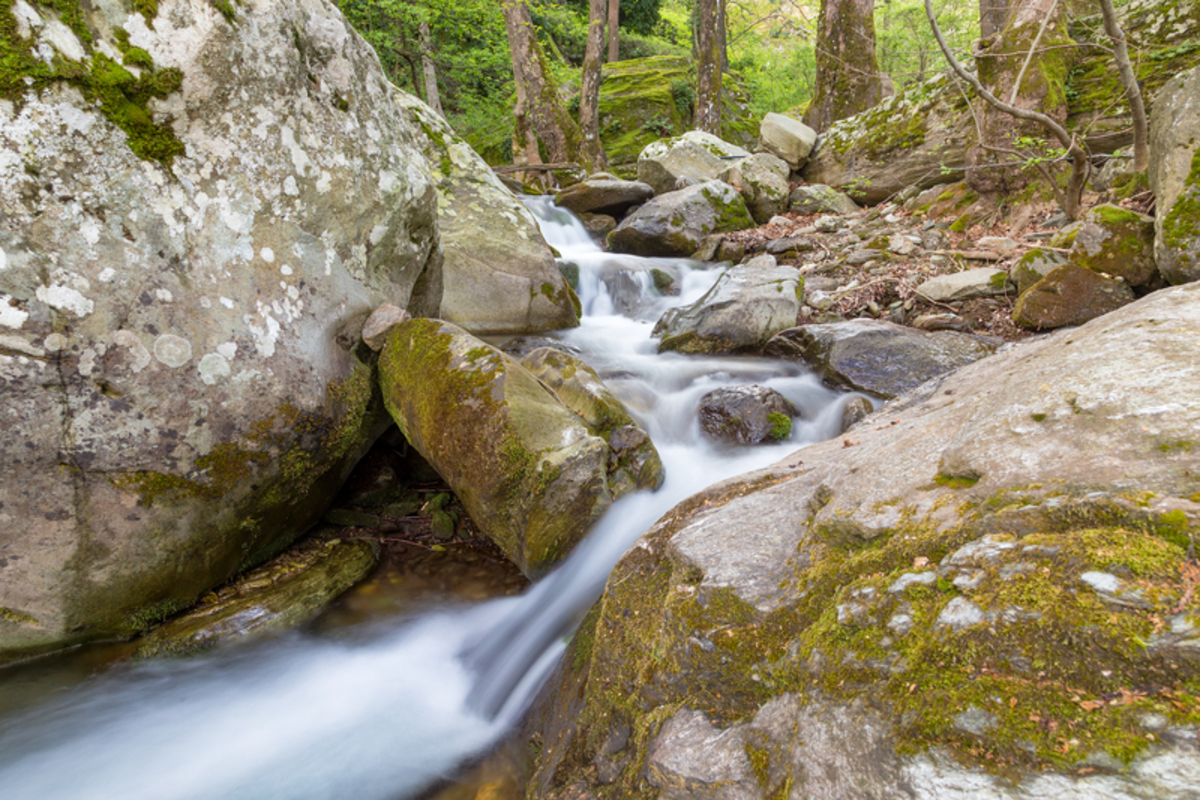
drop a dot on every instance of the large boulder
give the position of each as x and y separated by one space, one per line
184 271
983 594
500 276
604 194
1116 242
818 198
916 138
527 468
877 357
695 156
762 179
789 139
673 224
1175 177
747 305
1069 295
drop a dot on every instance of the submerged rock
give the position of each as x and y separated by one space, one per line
880 358
747 305
279 595
746 415
674 224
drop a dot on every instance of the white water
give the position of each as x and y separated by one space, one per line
385 711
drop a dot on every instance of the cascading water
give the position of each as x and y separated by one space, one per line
384 710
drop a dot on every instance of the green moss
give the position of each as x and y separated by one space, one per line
8 615
1176 446
781 426
1175 527
149 616
548 291
955 481
1038 417
226 9
1181 226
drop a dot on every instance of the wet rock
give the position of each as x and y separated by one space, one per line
746 415
1175 178
673 224
603 194
695 155
854 411
747 305
762 179
598 225
789 139
1035 265
880 358
817 198
520 346
1069 295
966 285
282 594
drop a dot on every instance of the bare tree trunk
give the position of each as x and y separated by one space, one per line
590 149
992 14
848 78
537 94
1133 92
614 34
708 68
432 98
721 36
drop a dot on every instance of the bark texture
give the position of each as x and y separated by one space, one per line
992 14
429 70
614 31
708 67
848 79
591 152
1133 92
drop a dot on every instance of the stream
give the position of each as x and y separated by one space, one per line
385 708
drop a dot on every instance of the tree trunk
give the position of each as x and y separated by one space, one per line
432 98
708 68
537 94
991 17
614 33
1024 66
1133 92
848 78
590 149
721 36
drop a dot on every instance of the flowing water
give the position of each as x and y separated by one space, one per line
384 709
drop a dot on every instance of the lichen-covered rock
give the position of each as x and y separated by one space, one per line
1116 242
747 305
877 357
695 155
1175 177
746 415
960 599
183 279
1035 265
281 594
499 274
762 179
965 285
673 224
919 137
635 463
789 139
603 194
1069 295
816 198
523 464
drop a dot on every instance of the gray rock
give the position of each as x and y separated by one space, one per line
604 194
856 408
1035 265
184 336
966 285
1116 242
976 721
788 138
382 320
695 155
598 225
860 257
1175 177
816 198
674 224
743 415
762 179
912 578
880 358
960 614
1002 245
747 305
797 244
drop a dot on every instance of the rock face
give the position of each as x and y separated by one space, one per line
499 274
746 415
916 138
762 179
880 358
179 315
673 224
747 305
1175 177
789 139
527 468
604 194
695 155
1069 295
922 612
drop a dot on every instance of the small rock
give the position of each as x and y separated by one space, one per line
966 285
822 301
1102 581
827 224
797 244
941 322
1002 245
746 415
901 245
960 614
975 721
856 408
860 257
375 329
979 552
912 578
900 624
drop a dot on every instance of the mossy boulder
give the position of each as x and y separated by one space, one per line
1069 295
183 386
499 275
880 358
645 99
673 224
1175 178
747 305
762 180
694 157
526 467
1035 265
984 592
279 595
1116 242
